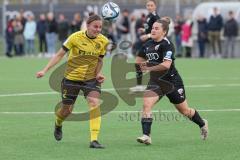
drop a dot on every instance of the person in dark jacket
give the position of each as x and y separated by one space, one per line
202 35
230 33
215 26
63 28
51 34
9 36
76 23
41 30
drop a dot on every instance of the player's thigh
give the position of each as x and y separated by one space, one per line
92 92
69 92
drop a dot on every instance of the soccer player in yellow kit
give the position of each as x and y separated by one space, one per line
83 72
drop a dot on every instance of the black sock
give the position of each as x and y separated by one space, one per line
197 119
138 74
146 125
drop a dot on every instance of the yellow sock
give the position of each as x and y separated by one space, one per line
95 122
59 119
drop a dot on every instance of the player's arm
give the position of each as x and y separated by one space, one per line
164 66
53 61
99 76
145 37
140 60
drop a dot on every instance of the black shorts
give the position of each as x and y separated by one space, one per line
174 91
71 89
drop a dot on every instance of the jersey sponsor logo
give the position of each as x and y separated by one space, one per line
152 56
82 53
168 55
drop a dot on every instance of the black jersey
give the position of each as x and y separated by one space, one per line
150 19
155 53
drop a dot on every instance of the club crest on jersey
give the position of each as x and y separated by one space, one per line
97 46
156 47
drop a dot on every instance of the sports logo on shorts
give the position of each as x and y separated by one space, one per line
181 91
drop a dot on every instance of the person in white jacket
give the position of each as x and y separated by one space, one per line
29 34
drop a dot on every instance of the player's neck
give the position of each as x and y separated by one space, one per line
159 39
89 36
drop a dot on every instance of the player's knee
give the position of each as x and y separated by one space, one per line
93 102
185 111
66 110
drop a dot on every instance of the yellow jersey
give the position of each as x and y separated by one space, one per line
84 55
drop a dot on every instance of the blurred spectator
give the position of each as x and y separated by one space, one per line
19 38
107 30
171 29
139 24
123 27
22 17
214 29
51 34
230 33
132 29
63 28
9 37
177 32
29 34
187 41
76 23
41 30
202 35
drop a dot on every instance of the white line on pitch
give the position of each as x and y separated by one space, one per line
155 111
113 89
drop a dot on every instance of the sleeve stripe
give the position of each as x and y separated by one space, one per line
169 59
65 48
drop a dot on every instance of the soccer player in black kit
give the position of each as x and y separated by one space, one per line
157 57
151 6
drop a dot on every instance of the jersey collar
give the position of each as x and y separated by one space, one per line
88 36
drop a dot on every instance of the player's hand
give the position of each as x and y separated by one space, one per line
100 78
144 67
40 74
144 37
141 30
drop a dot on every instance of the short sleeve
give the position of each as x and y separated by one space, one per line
68 44
168 52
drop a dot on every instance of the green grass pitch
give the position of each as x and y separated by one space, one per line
26 118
